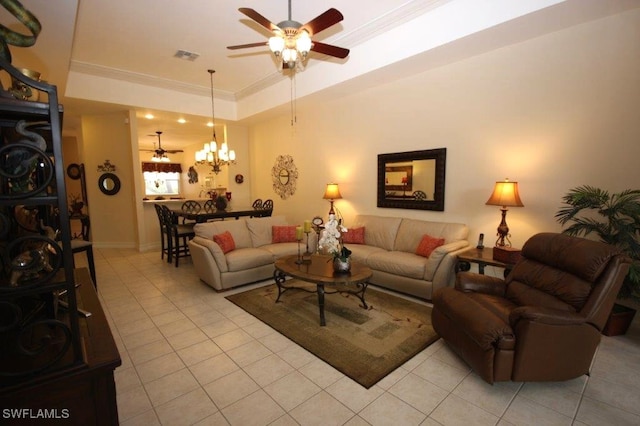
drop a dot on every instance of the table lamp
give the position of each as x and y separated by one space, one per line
505 194
332 193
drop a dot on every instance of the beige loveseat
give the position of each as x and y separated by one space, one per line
251 260
389 249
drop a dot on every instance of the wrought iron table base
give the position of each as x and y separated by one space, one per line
280 278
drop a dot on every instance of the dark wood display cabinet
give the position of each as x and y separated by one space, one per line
54 361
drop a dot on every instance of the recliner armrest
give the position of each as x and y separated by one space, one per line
545 315
470 281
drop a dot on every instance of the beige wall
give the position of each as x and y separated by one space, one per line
552 113
113 217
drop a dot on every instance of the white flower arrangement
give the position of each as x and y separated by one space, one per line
331 238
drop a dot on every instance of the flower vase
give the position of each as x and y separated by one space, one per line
341 266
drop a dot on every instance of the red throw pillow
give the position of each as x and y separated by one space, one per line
225 241
428 244
283 234
354 236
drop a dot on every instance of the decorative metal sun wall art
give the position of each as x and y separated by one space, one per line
284 175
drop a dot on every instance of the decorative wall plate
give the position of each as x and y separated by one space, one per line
239 178
193 175
284 176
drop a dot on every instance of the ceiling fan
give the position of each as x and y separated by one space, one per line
291 41
160 154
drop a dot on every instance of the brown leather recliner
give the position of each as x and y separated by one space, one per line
543 322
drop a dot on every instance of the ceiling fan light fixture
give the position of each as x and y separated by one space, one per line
303 43
276 44
157 158
290 56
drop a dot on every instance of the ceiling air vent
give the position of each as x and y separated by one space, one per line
186 55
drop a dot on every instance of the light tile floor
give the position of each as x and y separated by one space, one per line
191 357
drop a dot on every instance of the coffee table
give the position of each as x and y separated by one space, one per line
320 272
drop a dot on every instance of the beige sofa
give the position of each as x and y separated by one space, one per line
254 255
389 249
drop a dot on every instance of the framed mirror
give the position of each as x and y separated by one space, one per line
412 180
73 171
109 184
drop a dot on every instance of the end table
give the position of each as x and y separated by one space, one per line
483 257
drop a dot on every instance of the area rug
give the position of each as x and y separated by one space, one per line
364 344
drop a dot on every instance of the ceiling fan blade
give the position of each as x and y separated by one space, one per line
173 151
323 21
244 46
330 50
259 18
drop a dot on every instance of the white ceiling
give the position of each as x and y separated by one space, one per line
119 54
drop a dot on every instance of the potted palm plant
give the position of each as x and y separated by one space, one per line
615 219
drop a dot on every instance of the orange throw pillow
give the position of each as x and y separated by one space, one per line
428 244
283 234
225 241
354 236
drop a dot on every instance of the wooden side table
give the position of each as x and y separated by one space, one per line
483 257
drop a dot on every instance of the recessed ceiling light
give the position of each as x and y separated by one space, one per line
149 116
181 120
210 124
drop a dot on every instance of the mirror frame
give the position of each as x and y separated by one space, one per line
73 171
439 154
116 184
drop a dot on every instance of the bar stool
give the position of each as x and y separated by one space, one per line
84 245
164 234
178 236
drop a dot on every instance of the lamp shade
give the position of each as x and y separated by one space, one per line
332 192
505 194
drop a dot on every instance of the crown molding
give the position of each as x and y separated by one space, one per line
147 80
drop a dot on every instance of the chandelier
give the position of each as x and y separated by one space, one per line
210 154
